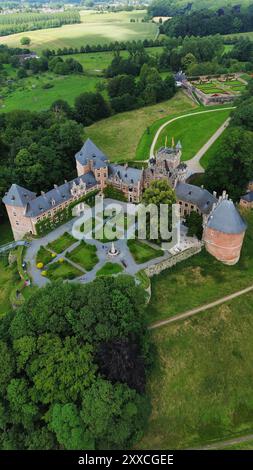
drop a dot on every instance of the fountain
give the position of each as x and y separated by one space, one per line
113 251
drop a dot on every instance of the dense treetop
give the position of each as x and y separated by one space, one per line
72 373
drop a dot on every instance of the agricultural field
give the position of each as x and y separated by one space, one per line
119 135
199 280
95 28
201 385
38 92
193 131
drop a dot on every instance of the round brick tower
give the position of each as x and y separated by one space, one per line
224 232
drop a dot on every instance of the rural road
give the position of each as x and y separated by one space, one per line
165 124
229 442
190 313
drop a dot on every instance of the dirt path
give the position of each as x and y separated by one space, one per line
190 313
228 443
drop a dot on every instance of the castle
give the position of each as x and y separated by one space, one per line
224 228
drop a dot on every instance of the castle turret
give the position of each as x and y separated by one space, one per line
224 231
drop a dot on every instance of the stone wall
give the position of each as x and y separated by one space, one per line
169 262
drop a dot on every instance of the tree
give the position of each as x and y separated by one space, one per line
90 107
69 428
62 370
114 414
159 192
231 167
194 223
25 41
7 366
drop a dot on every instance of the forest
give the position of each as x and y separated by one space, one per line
207 22
75 361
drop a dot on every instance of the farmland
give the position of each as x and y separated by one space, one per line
95 28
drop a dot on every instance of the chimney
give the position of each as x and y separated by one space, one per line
214 193
55 186
224 194
42 193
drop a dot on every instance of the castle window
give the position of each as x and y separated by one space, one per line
14 213
17 223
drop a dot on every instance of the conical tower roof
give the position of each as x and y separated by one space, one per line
226 218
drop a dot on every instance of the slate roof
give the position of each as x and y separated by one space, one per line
59 194
128 175
18 196
248 197
226 218
196 195
90 151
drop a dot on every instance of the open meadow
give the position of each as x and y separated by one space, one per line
95 28
119 135
38 92
201 385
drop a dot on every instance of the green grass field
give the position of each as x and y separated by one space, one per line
43 256
109 269
29 93
142 252
119 135
199 280
193 131
8 278
201 386
95 28
62 243
84 255
62 270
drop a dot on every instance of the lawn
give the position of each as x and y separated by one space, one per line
142 252
95 28
43 256
62 243
29 93
199 280
119 135
84 255
109 269
193 131
201 385
6 234
212 152
62 270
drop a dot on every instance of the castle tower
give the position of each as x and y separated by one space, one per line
16 202
224 231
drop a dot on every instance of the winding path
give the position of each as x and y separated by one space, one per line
194 311
193 162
